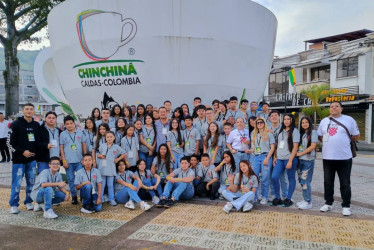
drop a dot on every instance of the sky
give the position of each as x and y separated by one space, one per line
300 20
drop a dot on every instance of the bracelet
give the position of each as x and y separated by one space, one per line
129 185
64 161
127 162
94 160
178 179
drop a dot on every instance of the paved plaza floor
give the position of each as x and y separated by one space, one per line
200 223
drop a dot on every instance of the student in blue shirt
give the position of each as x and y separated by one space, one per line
175 142
89 132
88 181
95 114
45 189
119 131
127 114
105 114
209 179
130 145
178 114
72 147
147 140
115 113
98 140
140 112
150 182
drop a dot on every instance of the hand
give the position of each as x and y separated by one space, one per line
51 146
198 178
207 187
270 131
212 162
231 178
116 160
28 154
98 201
65 164
86 182
150 152
244 189
274 161
172 158
94 164
67 197
234 151
133 188
266 162
152 188
248 151
289 165
61 184
299 154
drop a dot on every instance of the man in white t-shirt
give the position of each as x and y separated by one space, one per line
4 127
337 155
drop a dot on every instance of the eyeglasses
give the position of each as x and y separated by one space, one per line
260 123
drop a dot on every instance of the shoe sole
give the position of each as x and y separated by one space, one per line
166 206
159 205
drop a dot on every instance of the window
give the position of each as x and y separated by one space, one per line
321 73
347 67
277 83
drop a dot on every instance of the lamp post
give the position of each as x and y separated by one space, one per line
284 85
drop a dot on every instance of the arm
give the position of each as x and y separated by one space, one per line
355 137
266 161
99 186
171 152
171 178
211 182
84 147
232 188
215 154
142 141
55 184
140 183
62 153
218 168
197 147
308 150
122 156
94 157
293 154
233 151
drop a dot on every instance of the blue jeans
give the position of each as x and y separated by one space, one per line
251 159
283 183
144 194
18 171
45 195
265 173
279 167
125 194
177 158
222 188
238 199
181 190
88 198
238 157
148 159
42 166
70 172
305 170
108 181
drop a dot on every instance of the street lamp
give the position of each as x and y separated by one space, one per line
285 73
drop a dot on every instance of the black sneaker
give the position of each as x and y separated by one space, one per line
8 160
287 203
169 203
91 208
2 161
74 200
161 203
276 202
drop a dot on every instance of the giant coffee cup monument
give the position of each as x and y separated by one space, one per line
147 51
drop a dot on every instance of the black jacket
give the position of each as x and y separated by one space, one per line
23 136
42 153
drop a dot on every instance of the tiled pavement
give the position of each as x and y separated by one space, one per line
203 224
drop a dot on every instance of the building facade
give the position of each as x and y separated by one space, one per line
344 62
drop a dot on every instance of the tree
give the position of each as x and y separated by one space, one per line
19 21
317 93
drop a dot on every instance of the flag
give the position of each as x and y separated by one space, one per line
291 77
243 97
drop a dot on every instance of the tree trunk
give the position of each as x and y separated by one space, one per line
11 77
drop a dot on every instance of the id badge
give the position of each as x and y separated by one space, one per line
74 147
131 154
54 143
164 131
103 163
93 189
258 150
31 136
326 137
187 143
227 182
162 175
177 145
301 148
148 140
281 144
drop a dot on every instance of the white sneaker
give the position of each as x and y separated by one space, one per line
14 210
144 206
50 214
105 198
113 203
155 200
130 205
86 211
264 201
305 206
346 211
227 208
29 206
247 207
271 198
298 204
37 207
221 197
325 208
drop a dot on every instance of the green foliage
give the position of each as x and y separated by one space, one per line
323 112
317 93
26 59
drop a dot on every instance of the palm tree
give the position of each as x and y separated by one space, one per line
317 93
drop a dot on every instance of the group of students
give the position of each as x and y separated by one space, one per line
124 156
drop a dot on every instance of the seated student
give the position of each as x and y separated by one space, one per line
125 191
88 181
150 182
191 137
109 154
195 166
44 190
242 188
162 165
226 168
209 179
179 185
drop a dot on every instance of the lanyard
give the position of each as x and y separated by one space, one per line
176 138
234 114
52 132
204 173
242 136
90 138
122 177
188 135
327 130
107 149
243 180
87 175
130 145
201 123
229 172
102 140
75 133
258 141
53 181
120 134
185 173
148 133
284 134
275 131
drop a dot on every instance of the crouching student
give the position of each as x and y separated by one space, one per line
195 165
162 165
125 192
226 169
242 189
150 182
179 185
209 179
45 192
88 181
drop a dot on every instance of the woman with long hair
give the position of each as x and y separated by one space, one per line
147 141
226 169
212 143
95 114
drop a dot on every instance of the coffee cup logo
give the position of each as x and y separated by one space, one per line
102 33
